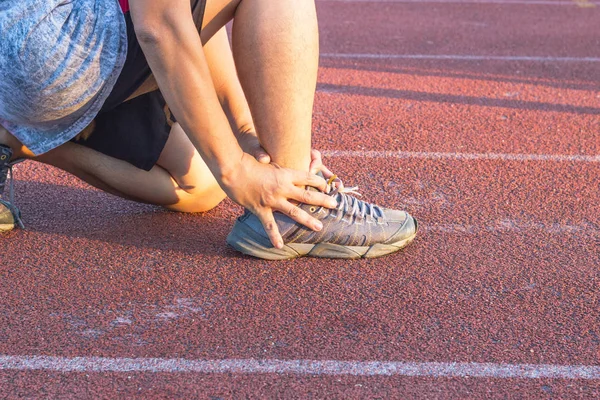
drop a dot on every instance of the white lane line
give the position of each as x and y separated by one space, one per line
516 2
457 57
513 226
301 367
461 156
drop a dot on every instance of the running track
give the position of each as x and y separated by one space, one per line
482 118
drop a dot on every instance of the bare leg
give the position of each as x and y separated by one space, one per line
275 45
190 174
180 181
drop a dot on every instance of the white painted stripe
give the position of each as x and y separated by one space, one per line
458 57
516 2
302 367
461 156
514 226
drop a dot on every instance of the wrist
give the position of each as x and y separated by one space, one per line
228 169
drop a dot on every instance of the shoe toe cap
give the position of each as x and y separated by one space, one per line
407 230
7 220
395 216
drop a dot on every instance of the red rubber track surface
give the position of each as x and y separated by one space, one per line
131 385
452 106
437 28
505 269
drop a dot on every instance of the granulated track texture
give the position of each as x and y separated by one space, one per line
504 271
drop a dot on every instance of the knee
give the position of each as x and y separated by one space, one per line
198 199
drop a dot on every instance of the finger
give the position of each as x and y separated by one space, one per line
268 222
261 156
311 197
301 216
308 179
315 166
316 161
326 172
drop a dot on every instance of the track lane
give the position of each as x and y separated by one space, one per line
507 279
438 28
472 299
49 384
426 106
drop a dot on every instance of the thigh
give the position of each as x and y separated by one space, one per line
148 86
183 162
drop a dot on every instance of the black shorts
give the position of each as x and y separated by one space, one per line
135 131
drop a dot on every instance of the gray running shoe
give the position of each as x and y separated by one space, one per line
9 213
356 229
7 220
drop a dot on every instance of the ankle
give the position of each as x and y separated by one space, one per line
296 163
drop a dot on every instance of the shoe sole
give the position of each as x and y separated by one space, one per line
244 239
7 219
6 227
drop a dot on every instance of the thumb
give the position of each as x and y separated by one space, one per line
261 156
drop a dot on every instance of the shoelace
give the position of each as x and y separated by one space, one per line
11 194
351 205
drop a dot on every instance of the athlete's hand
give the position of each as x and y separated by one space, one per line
265 188
248 141
316 165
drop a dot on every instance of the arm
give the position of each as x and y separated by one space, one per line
170 41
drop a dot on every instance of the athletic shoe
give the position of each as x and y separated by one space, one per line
9 213
355 229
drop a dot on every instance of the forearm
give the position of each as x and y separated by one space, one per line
229 90
170 41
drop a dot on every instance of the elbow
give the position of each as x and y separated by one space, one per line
159 27
155 29
149 33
